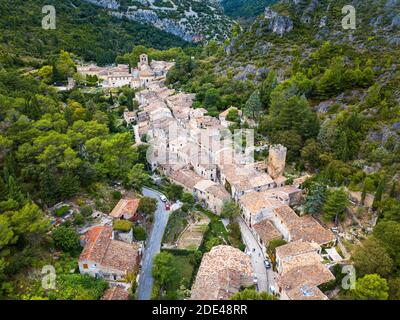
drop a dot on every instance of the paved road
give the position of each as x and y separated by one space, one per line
152 247
265 277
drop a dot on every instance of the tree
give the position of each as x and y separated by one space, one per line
174 191
311 153
253 106
211 243
147 206
371 257
164 268
139 233
29 220
315 199
230 210
388 233
49 187
188 198
335 205
69 185
251 294
266 89
138 177
66 239
378 194
371 287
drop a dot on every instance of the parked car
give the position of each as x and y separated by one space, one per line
163 198
267 264
272 289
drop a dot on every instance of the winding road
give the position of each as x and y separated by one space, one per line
153 246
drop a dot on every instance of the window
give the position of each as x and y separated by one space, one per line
85 266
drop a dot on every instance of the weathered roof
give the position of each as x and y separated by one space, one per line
254 202
223 271
116 293
101 249
125 207
301 283
266 231
187 178
287 216
295 248
310 230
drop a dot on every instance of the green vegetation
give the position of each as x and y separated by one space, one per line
139 233
251 294
122 225
81 28
177 268
245 8
177 222
59 212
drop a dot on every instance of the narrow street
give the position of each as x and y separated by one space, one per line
265 278
153 246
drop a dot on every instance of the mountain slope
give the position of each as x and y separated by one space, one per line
192 20
81 27
245 8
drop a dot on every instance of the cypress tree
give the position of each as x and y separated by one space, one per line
378 194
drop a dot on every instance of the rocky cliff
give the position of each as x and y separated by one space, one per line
193 21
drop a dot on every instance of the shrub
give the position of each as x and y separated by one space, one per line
139 233
86 211
78 219
59 212
116 195
122 225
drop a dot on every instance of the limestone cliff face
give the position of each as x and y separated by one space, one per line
192 20
278 24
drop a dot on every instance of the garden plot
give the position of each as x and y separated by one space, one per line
192 237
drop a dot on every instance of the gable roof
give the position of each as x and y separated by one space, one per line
116 293
114 254
223 271
126 207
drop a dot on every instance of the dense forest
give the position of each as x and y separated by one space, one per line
81 28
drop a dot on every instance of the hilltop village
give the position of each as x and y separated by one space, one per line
184 148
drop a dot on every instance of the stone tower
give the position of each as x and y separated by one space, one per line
144 59
276 160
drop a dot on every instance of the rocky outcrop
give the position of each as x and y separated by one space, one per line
278 24
204 21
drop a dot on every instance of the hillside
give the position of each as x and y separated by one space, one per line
191 20
82 28
245 8
349 79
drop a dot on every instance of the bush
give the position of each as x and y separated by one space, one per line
122 225
78 219
59 212
139 233
116 195
66 239
86 211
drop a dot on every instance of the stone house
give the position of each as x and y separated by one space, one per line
104 257
211 194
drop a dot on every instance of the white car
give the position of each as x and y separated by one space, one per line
272 289
163 198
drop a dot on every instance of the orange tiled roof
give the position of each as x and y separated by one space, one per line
101 249
126 207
